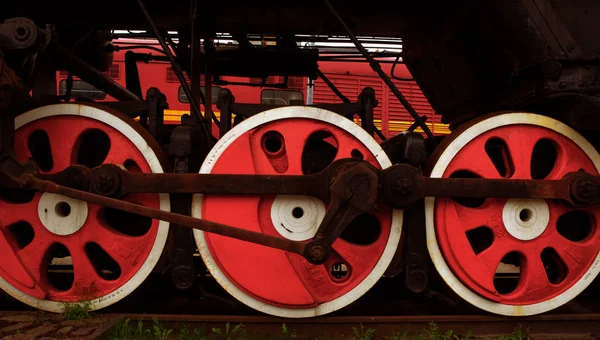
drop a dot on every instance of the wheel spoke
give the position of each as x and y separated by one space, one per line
533 282
466 218
520 143
488 260
124 249
15 265
565 154
267 147
482 166
33 258
11 213
85 275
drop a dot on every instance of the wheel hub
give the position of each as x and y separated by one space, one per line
62 215
297 217
525 219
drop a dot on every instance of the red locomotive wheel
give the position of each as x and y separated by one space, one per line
57 249
293 141
514 256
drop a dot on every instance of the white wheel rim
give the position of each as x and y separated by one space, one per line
360 289
434 251
165 204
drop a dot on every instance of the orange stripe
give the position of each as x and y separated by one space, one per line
393 125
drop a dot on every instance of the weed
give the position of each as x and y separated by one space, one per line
431 333
229 333
159 330
186 333
286 334
362 334
76 311
125 330
517 334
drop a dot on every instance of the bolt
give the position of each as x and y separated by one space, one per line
415 157
359 183
316 252
586 189
403 186
26 181
571 48
104 182
552 69
417 281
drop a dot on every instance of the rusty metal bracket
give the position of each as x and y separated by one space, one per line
403 185
18 33
31 182
350 186
546 18
353 192
399 185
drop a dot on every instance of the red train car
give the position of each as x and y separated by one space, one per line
350 78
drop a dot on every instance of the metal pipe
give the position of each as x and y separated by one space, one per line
176 67
377 68
345 99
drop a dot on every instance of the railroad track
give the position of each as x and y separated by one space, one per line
554 326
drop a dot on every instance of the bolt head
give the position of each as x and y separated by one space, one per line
403 186
26 181
316 252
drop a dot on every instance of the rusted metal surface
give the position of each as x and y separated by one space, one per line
111 180
354 192
211 227
399 185
18 33
403 185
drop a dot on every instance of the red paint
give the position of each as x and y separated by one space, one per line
128 251
453 220
270 275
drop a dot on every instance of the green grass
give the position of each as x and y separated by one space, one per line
431 333
131 330
362 334
517 334
126 329
76 311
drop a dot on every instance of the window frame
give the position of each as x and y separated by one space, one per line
75 81
281 90
214 101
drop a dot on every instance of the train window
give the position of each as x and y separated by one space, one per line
81 89
282 97
215 94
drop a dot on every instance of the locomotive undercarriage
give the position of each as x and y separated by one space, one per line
318 201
